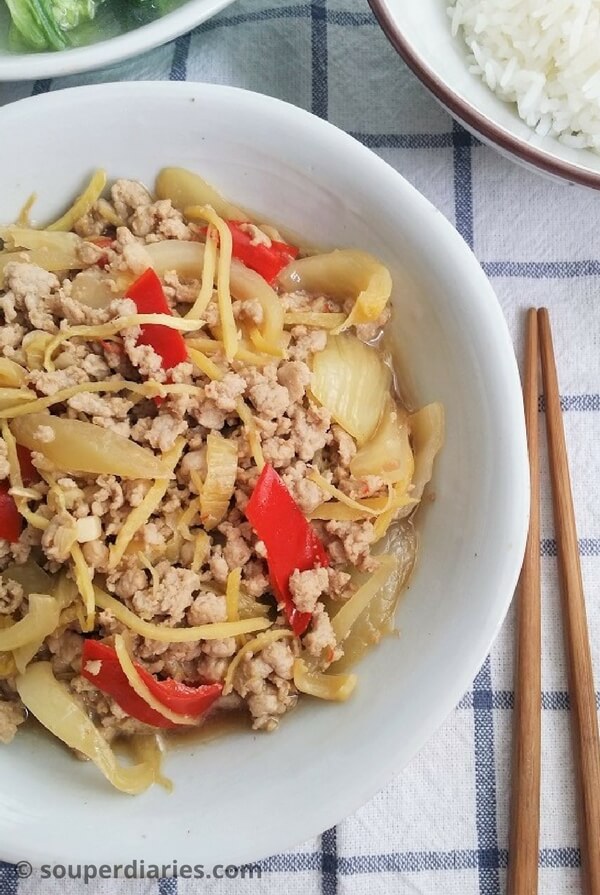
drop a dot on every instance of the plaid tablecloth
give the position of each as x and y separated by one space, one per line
441 826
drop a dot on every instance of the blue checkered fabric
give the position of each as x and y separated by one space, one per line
440 826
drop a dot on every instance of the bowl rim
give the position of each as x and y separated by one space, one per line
28 66
472 117
490 314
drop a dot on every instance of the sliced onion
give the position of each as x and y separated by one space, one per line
221 471
427 433
12 375
57 709
388 453
343 274
377 619
342 622
186 257
186 188
85 447
52 251
93 289
335 687
351 380
30 576
41 620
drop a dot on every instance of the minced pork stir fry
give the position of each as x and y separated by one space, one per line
207 479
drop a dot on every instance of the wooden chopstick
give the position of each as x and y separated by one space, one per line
525 795
584 718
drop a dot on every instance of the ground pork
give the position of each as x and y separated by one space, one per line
74 497
148 363
355 539
236 550
172 595
306 587
159 217
7 306
218 565
11 596
249 311
90 254
306 493
268 693
62 306
306 342
339 582
271 702
345 444
51 383
320 638
97 406
134 490
280 657
207 608
206 412
108 496
211 669
181 372
127 580
367 486
93 223
269 398
27 280
11 336
310 430
59 537
30 287
135 258
193 461
18 552
127 196
367 332
279 452
11 715
163 431
226 391
176 660
255 579
65 651
295 376
178 292
220 649
96 367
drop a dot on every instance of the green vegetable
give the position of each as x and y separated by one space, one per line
43 24
59 24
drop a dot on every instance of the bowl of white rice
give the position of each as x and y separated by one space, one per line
522 75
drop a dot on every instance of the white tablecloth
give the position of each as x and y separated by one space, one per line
441 826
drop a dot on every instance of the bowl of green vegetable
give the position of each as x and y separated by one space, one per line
50 38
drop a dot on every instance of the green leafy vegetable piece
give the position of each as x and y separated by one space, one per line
44 24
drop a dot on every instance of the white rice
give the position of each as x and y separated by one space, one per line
543 55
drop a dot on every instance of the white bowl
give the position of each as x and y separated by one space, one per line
248 795
420 32
25 66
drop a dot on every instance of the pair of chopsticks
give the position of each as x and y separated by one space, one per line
525 807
